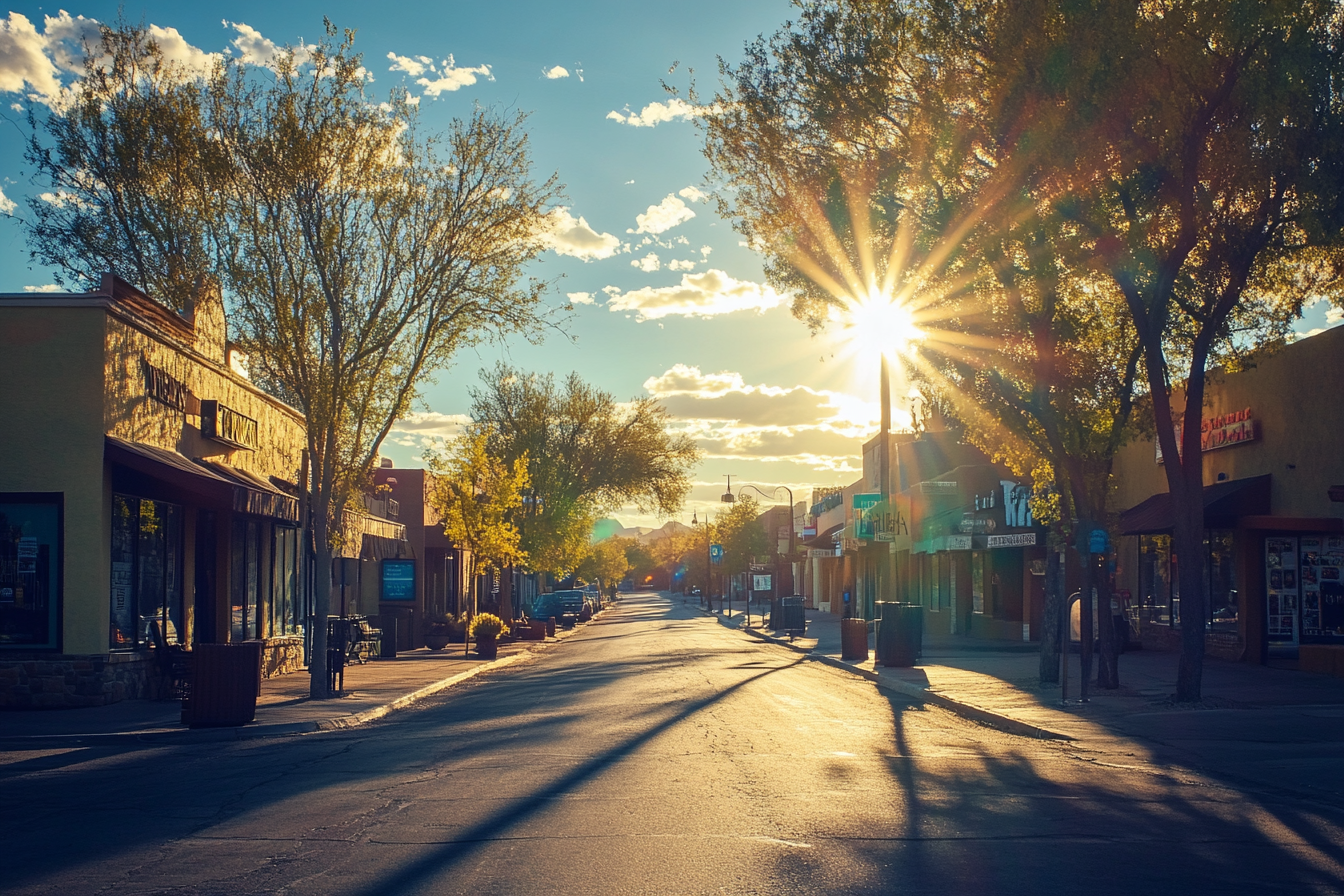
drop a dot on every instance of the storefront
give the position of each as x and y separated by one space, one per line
1274 539
147 497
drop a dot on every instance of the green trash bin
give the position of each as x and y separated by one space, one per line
225 682
900 633
793 616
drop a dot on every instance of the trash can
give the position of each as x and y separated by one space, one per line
775 617
226 679
853 639
793 618
900 633
387 647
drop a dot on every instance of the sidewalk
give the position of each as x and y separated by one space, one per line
372 690
1276 726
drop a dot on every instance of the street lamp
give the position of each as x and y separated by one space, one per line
729 498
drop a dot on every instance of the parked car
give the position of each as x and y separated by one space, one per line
570 603
546 606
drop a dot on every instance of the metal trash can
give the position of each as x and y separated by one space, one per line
853 639
387 647
900 633
793 619
226 679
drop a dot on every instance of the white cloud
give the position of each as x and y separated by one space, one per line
1334 315
46 287
663 216
176 49
678 264
449 77
730 418
698 295
572 236
656 113
648 264
7 205
432 424
256 49
694 194
33 63
415 66
704 252
557 71
580 298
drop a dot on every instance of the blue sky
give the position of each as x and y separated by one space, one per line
670 302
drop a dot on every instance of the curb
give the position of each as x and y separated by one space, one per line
244 732
965 710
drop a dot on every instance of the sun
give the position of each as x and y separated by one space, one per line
878 326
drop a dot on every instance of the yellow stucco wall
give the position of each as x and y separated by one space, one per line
51 440
1294 397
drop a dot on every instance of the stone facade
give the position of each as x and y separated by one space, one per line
280 656
45 681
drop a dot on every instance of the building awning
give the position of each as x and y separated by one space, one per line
215 481
823 539
1224 504
255 495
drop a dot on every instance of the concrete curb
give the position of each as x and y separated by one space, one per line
245 732
923 695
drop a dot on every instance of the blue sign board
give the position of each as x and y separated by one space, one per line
716 553
398 580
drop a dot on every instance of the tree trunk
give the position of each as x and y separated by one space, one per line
1108 664
1051 614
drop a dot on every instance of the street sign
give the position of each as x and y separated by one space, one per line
716 553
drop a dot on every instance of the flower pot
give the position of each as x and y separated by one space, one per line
487 648
437 640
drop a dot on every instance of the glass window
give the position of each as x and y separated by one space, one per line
146 596
30 551
1155 579
977 582
284 600
1221 581
245 581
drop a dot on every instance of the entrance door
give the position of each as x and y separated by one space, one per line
1282 589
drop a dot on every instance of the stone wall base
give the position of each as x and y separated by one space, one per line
280 656
1221 645
46 681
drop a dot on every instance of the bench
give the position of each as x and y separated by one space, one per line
365 641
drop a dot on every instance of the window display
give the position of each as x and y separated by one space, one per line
30 550
146 573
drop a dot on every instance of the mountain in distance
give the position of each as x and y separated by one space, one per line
610 528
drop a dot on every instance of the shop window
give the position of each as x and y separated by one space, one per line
977 582
30 569
146 599
1155 579
244 580
285 609
1220 580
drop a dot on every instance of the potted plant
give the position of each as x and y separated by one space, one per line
485 630
440 632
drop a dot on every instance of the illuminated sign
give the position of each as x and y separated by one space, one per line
1021 540
1223 431
224 424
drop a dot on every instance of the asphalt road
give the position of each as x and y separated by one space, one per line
655 752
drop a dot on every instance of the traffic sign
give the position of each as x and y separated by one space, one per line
716 553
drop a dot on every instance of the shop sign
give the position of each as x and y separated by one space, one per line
819 553
1223 431
971 524
865 519
398 580
224 424
953 543
886 536
809 532
163 387
938 488
1016 504
852 544
1019 540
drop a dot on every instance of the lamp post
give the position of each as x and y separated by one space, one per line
709 562
729 498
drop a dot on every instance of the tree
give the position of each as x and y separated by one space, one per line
476 495
859 150
607 562
586 453
357 255
742 536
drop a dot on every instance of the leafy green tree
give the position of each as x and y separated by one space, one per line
607 563
477 496
357 254
587 455
742 536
